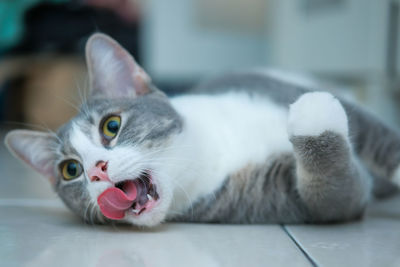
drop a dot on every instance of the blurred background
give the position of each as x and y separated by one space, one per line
352 45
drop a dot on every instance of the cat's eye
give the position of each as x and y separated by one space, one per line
70 169
110 127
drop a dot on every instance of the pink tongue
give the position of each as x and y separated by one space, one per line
113 202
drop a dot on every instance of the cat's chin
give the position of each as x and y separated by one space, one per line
156 214
150 219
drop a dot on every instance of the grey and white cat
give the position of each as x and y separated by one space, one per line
244 148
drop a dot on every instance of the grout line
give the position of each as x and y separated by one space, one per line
30 202
309 258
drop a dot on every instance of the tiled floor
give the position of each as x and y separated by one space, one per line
37 230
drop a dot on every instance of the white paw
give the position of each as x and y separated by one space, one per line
316 112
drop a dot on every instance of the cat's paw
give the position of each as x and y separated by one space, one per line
316 112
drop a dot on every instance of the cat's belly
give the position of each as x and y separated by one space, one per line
222 135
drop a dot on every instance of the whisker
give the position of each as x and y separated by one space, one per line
91 213
67 102
185 194
85 215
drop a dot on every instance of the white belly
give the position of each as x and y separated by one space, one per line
222 134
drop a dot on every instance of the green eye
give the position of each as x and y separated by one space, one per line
111 126
71 169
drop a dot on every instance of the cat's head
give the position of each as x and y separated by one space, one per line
107 162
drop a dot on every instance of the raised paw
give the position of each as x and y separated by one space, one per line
316 112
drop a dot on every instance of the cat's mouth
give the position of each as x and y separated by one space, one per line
133 196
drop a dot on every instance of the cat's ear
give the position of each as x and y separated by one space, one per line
113 71
34 148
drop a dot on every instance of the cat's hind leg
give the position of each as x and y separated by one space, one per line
330 181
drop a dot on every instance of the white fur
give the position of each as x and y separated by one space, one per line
221 135
316 112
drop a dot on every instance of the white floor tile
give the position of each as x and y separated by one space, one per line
52 236
374 241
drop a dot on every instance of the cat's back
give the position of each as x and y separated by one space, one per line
279 87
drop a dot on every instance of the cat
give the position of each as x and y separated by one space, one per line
242 148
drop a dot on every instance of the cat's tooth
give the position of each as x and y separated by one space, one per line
135 211
149 197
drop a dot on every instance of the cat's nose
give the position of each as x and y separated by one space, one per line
99 172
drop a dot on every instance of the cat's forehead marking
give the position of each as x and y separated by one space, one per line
85 144
65 147
85 126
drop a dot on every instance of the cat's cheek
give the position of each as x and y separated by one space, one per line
95 189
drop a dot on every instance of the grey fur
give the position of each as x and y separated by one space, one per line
151 117
328 178
256 194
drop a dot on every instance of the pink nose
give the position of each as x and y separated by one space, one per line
99 172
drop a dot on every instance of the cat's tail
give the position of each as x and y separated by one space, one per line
378 147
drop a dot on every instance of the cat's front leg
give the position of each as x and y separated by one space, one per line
331 183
